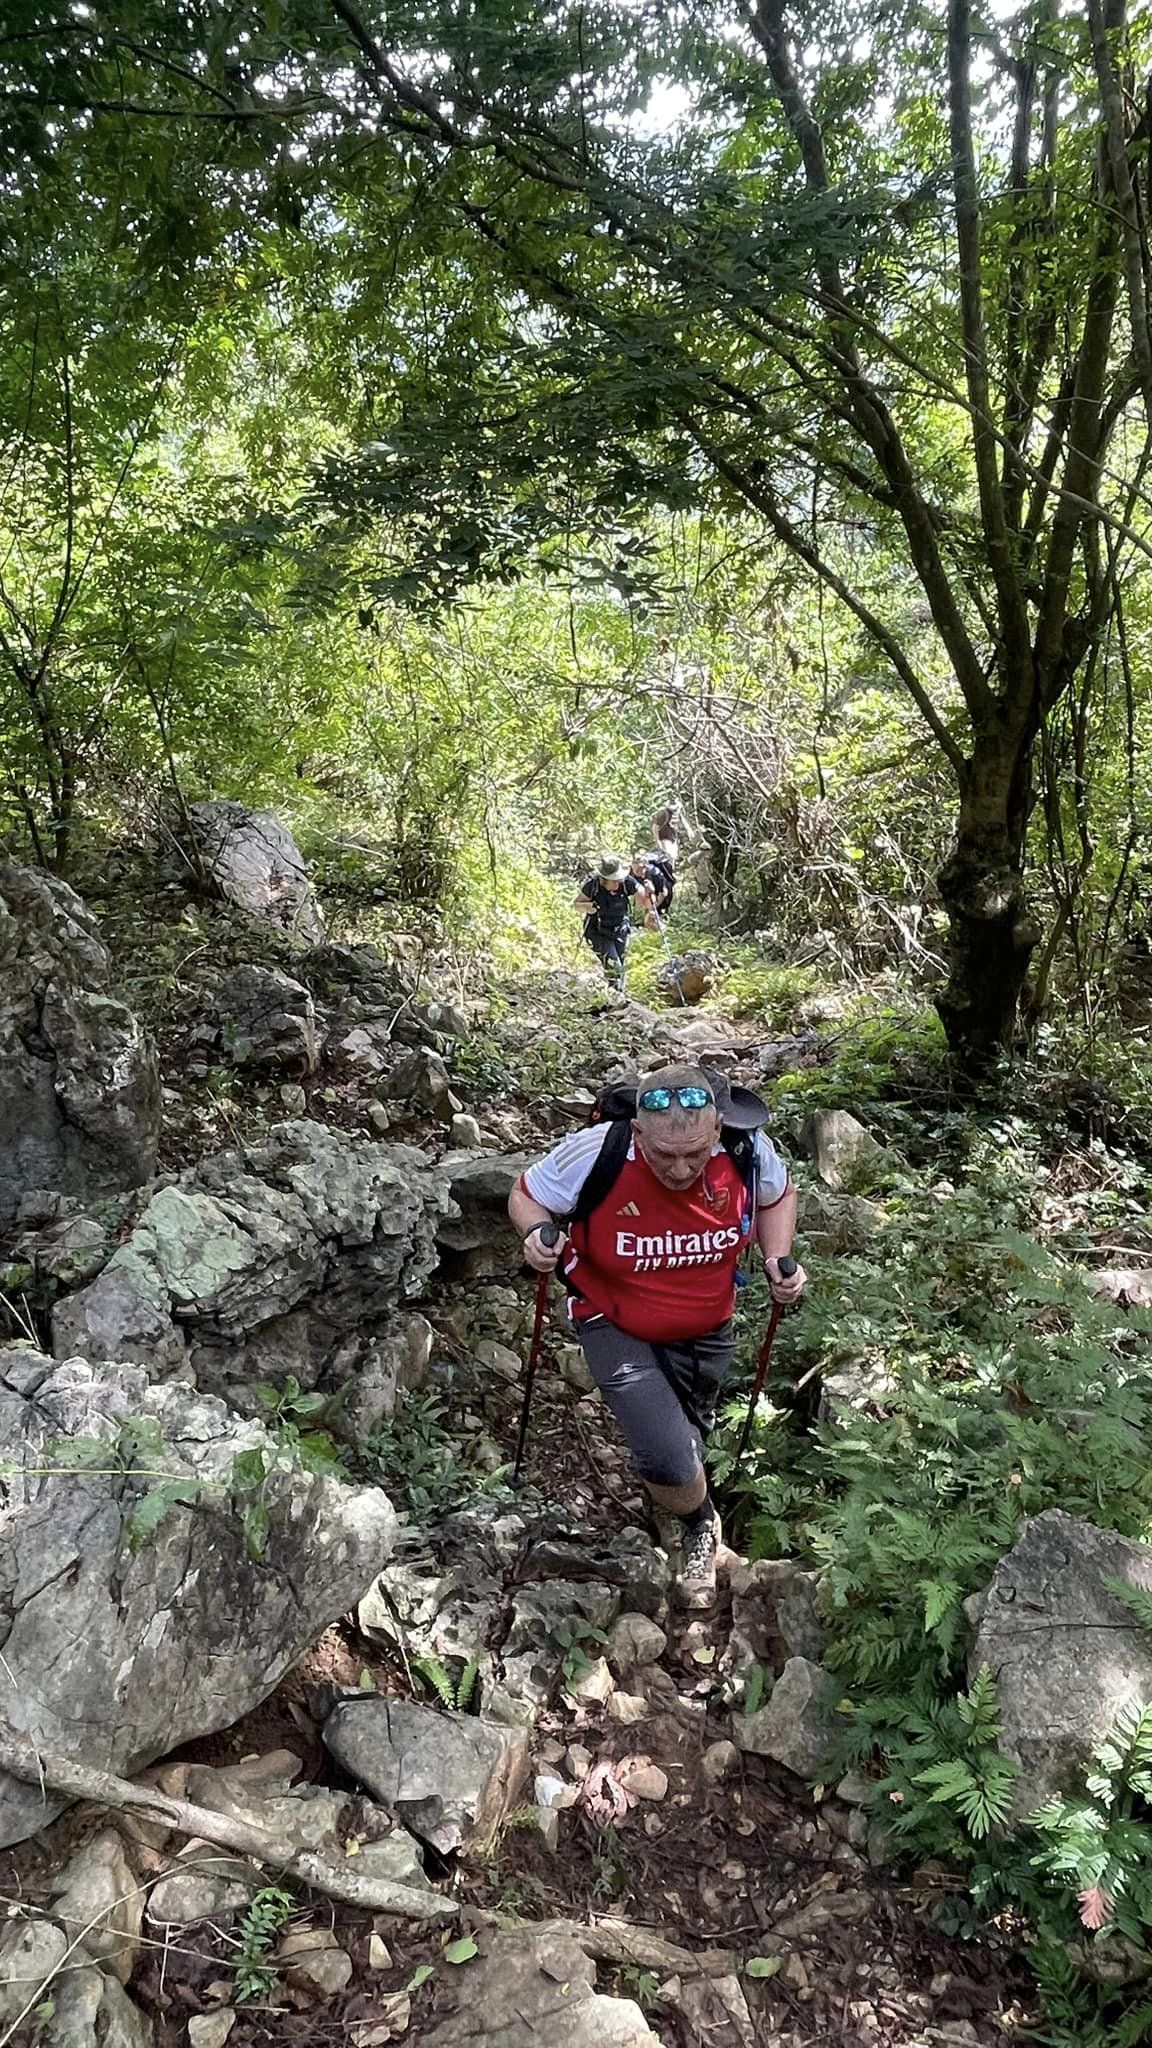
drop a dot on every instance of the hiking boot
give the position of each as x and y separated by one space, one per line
696 1579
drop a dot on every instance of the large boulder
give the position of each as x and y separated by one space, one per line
687 977
479 1235
79 1088
250 859
847 1157
160 1589
1066 1654
799 1726
451 1778
266 1020
285 1255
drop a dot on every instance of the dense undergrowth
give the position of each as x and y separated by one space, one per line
993 1386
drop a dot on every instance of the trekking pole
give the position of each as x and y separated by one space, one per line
668 950
787 1268
549 1234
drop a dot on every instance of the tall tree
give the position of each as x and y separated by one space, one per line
882 283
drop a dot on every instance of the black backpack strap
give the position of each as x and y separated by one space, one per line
605 1171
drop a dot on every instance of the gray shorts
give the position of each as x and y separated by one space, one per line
662 1395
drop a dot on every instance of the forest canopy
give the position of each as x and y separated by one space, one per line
480 423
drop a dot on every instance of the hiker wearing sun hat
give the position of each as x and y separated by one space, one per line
656 1203
605 899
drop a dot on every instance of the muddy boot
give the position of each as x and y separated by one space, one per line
695 1586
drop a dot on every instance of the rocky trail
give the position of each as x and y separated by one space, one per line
317 1341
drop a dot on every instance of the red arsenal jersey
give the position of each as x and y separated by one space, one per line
659 1263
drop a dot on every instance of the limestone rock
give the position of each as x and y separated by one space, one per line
99 1902
1065 1653
1129 1286
635 1640
421 1077
313 1960
628 1708
282 1255
529 1988
774 1617
592 1687
785 1055
836 1223
251 860
30 1952
450 1777
91 2010
204 1883
719 1761
391 1364
717 2011
465 1134
211 2029
120 1643
79 1087
266 1020
846 1155
498 1359
797 1726
480 1184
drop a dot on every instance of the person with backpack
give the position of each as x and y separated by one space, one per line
656 1203
667 827
657 874
606 899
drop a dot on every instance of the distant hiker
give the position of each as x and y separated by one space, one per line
667 827
658 1203
606 899
655 870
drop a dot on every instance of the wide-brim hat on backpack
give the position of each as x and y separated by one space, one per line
739 1108
612 868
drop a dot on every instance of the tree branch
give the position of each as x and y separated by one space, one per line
35 1766
1012 609
759 493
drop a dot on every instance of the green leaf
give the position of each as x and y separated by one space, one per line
249 1469
256 1530
763 1966
148 1513
461 1951
420 1975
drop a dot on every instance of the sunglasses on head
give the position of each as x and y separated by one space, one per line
663 1098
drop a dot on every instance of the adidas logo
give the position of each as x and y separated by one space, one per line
629 1209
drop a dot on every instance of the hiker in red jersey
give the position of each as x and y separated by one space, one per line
656 1209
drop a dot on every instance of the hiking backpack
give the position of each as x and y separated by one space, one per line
616 1105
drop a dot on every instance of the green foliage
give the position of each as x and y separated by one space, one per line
575 1637
267 1915
754 1689
945 1784
454 1693
461 1951
417 1458
1099 1848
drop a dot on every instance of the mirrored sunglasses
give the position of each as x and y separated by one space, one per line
663 1098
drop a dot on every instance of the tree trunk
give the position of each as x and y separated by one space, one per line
991 930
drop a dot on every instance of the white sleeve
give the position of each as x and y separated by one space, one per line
771 1170
556 1180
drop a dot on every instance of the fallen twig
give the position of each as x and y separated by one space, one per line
79 1781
